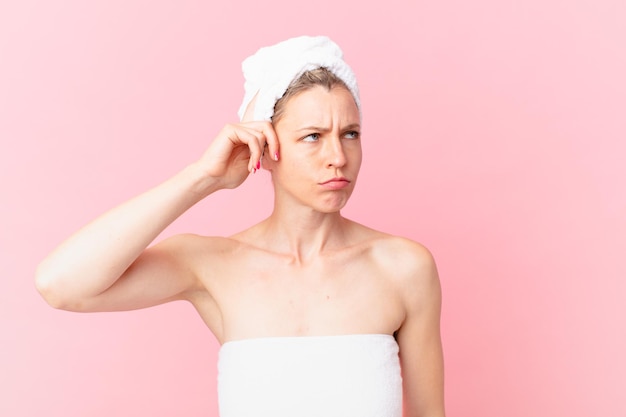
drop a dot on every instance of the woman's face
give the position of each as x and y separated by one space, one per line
320 149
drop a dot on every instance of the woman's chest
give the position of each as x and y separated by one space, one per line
324 298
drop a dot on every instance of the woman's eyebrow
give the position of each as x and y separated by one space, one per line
321 129
325 129
352 126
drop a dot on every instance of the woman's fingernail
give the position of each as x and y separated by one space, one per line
275 156
258 164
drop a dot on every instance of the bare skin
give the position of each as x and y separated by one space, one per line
303 271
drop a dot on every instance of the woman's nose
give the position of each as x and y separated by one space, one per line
336 156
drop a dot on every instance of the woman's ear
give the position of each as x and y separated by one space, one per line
267 162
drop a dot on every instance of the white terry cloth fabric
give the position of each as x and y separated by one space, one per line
312 376
271 69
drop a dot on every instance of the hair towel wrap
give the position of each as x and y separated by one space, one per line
271 69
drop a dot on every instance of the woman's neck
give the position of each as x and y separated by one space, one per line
303 232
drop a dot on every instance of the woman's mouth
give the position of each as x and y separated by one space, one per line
336 183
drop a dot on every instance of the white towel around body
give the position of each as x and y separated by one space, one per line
313 376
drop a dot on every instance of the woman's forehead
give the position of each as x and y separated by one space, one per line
322 108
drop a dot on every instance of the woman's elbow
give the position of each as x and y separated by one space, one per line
49 287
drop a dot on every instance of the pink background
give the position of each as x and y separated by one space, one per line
495 133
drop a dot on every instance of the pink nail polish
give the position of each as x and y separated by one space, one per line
258 165
275 156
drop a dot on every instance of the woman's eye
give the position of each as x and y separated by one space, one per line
311 138
352 134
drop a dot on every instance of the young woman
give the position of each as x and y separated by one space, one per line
317 315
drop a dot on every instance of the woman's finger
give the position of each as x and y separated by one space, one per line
269 137
254 139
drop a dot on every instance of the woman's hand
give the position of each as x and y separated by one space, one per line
236 152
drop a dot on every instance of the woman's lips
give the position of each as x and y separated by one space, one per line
336 183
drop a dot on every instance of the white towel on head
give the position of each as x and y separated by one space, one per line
320 376
271 69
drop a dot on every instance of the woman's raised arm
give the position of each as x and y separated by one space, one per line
106 266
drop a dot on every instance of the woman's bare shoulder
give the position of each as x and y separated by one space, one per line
401 256
392 245
401 250
409 266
